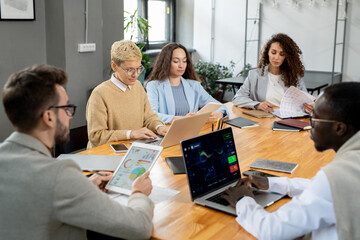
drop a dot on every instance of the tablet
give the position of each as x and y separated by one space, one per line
138 159
210 107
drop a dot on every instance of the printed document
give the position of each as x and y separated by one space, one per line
291 104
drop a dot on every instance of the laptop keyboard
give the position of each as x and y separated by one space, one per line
217 199
156 141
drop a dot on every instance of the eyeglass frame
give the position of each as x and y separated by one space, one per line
131 71
69 113
312 120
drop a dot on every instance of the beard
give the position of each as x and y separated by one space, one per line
62 133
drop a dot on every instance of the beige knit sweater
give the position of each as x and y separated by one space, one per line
110 113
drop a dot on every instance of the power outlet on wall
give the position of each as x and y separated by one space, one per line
86 47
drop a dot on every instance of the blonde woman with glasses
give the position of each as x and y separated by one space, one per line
119 109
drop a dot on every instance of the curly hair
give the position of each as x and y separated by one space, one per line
162 64
292 68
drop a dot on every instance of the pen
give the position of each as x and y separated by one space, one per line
96 172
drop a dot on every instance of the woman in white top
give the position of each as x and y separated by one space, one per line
279 68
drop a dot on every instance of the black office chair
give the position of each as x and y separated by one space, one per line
78 142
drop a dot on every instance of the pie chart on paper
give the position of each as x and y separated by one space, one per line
137 172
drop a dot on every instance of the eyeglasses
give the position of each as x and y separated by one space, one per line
69 109
131 71
312 120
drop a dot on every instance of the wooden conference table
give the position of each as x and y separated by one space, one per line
179 218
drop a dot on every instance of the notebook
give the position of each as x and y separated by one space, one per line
295 123
274 165
241 122
212 165
176 164
180 129
258 113
279 127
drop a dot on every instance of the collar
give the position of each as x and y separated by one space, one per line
119 83
29 141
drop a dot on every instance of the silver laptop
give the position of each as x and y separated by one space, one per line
180 129
212 166
94 162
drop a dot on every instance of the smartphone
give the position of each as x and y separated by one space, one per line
119 147
257 173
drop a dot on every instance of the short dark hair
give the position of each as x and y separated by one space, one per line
29 92
344 102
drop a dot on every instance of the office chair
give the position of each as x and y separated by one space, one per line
78 142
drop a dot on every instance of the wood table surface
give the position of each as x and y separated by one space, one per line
179 218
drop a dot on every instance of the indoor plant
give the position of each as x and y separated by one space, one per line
137 24
139 27
210 72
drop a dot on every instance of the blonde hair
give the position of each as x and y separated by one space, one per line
125 50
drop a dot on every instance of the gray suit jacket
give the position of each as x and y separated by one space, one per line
254 89
44 198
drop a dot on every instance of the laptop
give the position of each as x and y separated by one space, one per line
212 166
94 162
180 129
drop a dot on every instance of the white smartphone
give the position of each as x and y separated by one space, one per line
119 147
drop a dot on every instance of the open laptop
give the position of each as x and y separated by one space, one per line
212 166
180 129
94 162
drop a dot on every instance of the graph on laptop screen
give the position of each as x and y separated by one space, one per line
211 161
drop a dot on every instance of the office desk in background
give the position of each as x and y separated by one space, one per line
179 218
314 81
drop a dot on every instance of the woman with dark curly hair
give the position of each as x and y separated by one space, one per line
279 68
173 87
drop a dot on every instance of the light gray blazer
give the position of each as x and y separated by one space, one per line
253 91
45 198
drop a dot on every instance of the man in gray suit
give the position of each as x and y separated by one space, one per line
43 198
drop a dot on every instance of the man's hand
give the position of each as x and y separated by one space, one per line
254 181
214 116
101 181
265 106
233 194
142 133
162 130
142 184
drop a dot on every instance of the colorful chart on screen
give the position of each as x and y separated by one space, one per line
138 159
137 172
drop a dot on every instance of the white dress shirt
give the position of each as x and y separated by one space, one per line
310 210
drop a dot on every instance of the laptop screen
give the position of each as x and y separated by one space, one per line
210 161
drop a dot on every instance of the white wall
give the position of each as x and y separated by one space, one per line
202 28
311 27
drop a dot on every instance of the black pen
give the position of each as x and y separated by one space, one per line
98 173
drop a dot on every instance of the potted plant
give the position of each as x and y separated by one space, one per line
136 23
245 70
210 72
